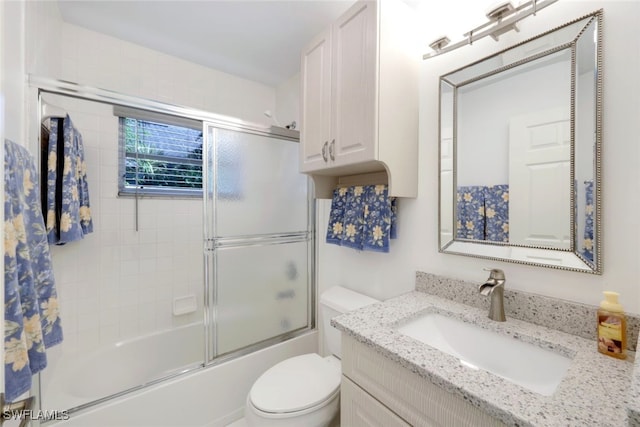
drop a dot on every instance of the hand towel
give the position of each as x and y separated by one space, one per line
336 216
353 220
496 212
588 225
378 216
470 213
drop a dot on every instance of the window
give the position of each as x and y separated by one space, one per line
159 154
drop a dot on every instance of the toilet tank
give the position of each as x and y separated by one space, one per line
333 302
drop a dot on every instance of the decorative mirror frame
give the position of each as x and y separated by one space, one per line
564 259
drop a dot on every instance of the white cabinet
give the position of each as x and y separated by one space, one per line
395 396
359 93
316 113
354 72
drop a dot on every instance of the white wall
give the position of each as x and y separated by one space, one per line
13 29
42 35
288 101
382 276
106 62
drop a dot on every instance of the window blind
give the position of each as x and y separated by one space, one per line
159 154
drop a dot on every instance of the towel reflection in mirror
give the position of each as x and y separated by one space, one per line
483 213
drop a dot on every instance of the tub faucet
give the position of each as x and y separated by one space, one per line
494 287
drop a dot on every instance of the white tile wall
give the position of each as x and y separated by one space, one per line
118 283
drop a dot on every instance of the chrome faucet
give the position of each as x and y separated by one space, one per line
494 287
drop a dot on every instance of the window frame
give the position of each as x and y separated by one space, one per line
125 190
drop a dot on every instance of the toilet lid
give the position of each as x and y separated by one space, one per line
296 384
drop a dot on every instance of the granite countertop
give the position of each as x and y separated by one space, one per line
594 392
633 410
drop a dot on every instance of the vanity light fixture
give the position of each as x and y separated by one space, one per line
439 43
502 17
496 13
500 10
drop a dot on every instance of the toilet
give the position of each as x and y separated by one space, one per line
305 390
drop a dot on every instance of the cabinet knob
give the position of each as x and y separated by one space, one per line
324 151
331 149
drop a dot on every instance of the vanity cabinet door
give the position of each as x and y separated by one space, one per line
359 409
405 393
315 115
354 85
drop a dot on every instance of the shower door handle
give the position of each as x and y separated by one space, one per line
324 151
331 149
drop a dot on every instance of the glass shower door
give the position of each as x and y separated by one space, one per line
259 244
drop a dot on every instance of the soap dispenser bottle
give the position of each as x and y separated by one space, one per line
612 327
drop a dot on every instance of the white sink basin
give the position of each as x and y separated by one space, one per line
534 368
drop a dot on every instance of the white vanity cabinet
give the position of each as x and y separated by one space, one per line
377 391
359 94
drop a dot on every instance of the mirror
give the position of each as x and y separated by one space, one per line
520 143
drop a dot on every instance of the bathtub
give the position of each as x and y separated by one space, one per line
74 379
213 396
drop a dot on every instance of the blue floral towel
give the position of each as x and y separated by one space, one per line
471 217
496 212
31 319
588 226
379 219
335 228
362 218
68 209
483 213
353 219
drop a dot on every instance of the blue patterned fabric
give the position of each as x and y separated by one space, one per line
68 208
362 218
483 213
378 218
496 211
31 318
353 220
470 209
393 232
336 216
588 226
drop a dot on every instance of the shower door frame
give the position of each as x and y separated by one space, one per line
38 85
212 244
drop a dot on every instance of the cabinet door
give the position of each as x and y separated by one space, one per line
359 409
354 85
316 103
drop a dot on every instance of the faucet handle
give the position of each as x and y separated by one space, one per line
496 273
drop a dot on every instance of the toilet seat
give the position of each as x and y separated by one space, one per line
296 384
